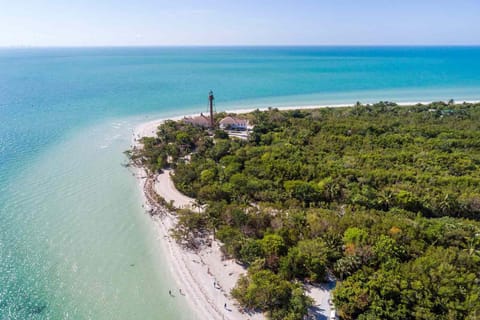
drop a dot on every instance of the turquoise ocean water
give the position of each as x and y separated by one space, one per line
74 241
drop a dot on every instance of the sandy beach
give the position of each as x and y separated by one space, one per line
203 277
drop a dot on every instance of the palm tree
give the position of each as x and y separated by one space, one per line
386 199
346 266
473 245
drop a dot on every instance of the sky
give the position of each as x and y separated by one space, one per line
238 22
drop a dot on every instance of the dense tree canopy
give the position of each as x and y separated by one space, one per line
386 198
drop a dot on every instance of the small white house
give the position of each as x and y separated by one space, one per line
233 123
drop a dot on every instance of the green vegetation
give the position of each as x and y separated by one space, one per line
385 198
263 289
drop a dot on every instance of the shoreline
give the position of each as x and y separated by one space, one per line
148 128
206 279
323 106
202 277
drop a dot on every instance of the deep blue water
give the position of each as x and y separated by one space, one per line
51 98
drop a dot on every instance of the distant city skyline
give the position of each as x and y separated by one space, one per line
229 23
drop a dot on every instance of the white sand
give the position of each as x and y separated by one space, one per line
196 273
321 294
166 189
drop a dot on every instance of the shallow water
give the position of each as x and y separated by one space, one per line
79 244
74 240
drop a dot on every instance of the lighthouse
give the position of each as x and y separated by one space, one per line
210 102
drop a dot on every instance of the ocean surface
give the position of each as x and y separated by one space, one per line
74 240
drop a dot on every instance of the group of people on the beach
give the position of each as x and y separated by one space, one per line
215 284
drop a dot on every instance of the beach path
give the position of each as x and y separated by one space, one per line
165 188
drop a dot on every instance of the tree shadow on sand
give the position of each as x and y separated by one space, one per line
321 310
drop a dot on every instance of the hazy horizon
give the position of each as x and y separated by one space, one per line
238 46
87 23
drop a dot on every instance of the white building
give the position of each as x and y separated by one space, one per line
232 123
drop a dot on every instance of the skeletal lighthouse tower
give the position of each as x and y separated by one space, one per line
210 100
